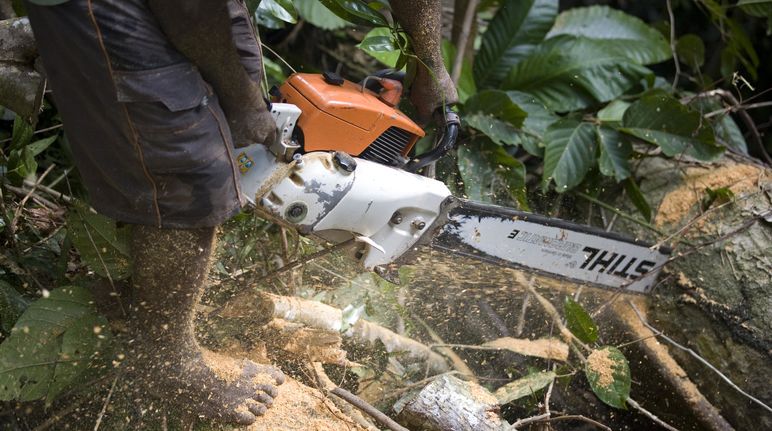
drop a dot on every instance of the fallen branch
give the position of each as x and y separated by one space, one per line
354 400
547 348
322 316
650 415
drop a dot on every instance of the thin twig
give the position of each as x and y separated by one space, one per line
20 207
304 260
622 214
367 408
673 44
463 40
577 418
104 406
47 129
650 415
530 420
698 357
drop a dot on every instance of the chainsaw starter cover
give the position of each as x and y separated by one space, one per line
347 117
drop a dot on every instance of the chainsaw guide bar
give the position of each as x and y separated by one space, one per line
553 247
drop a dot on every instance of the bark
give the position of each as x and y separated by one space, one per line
21 87
17 44
450 404
21 90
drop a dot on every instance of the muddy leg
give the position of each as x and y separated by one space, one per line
170 270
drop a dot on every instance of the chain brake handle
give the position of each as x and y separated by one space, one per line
444 116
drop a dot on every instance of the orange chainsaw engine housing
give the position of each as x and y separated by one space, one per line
345 117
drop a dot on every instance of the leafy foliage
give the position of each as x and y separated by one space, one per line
608 373
579 321
524 386
52 346
101 244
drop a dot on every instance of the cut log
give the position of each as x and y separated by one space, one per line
451 404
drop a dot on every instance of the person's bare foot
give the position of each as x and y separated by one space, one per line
209 385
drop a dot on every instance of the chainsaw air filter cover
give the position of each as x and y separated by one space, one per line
346 117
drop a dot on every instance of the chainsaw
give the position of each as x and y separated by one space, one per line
340 169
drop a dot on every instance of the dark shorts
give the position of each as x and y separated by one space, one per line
148 135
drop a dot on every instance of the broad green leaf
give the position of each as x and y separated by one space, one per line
637 198
524 386
466 84
738 44
274 72
39 146
691 51
661 120
760 9
536 123
569 153
101 244
12 304
641 43
356 12
500 132
497 104
274 13
568 73
379 44
22 133
724 127
317 14
513 33
613 112
615 152
53 343
717 196
579 321
486 168
608 373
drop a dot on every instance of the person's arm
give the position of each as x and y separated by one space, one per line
201 31
422 20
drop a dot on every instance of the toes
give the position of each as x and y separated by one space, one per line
256 408
270 390
264 399
277 375
244 417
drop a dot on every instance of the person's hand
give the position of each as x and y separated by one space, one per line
430 92
250 122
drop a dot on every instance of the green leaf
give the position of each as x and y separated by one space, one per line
274 13
356 12
641 43
724 127
608 373
615 153
661 120
466 84
317 14
53 343
637 198
760 9
101 244
524 386
570 153
497 104
579 321
500 132
691 51
717 196
486 168
613 112
22 133
512 34
39 146
12 305
274 71
569 73
536 123
379 44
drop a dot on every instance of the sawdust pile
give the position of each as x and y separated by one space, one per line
299 407
601 362
677 204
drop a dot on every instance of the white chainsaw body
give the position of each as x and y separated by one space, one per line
385 208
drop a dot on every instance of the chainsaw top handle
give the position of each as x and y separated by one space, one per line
447 117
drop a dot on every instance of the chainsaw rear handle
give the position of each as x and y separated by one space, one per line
447 141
